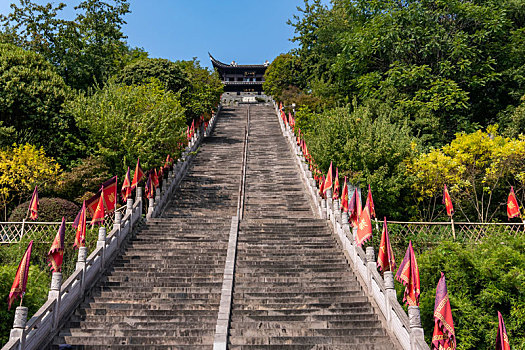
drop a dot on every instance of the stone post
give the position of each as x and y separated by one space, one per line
19 325
117 224
329 204
371 265
337 210
54 292
81 264
388 277
139 199
101 243
416 331
323 209
151 207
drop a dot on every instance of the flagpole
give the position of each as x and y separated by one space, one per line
453 229
22 299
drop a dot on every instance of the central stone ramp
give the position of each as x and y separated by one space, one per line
293 286
164 291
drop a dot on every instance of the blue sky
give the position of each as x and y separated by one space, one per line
248 31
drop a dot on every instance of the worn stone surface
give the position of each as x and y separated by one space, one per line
293 287
164 291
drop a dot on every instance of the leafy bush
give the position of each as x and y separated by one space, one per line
204 91
31 98
478 169
169 74
22 167
481 279
125 122
84 177
49 210
367 147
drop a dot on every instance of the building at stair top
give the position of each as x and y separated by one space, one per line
240 77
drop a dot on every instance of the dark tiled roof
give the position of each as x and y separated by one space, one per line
219 64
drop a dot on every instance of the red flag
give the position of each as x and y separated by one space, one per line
56 253
126 187
513 209
155 178
137 176
80 225
167 163
408 275
364 228
502 340
344 197
321 186
448 202
354 208
444 336
328 181
33 205
98 217
385 257
150 190
110 197
19 284
336 184
370 203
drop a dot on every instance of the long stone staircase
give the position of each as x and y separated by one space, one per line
164 291
293 288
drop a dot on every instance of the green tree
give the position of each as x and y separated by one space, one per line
478 168
125 122
31 99
368 147
172 77
204 91
282 73
452 65
86 50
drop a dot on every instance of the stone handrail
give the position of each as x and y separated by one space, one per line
65 297
406 328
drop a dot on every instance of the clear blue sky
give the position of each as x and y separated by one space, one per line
247 31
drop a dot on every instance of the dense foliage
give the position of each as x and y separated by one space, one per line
23 167
478 168
127 122
481 280
31 99
49 210
369 147
86 50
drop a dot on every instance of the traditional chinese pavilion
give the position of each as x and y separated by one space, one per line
240 77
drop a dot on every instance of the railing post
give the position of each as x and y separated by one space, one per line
54 293
19 325
101 243
151 207
337 211
416 331
81 264
388 278
323 209
371 265
117 225
139 199
157 200
329 204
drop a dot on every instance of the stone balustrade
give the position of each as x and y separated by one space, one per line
64 298
406 328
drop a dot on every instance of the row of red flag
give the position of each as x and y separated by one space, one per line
443 336
102 203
